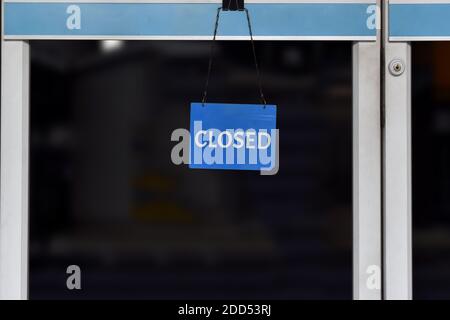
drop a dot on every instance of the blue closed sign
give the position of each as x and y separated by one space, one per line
233 136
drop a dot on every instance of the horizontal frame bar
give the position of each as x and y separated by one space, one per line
188 20
419 20
191 1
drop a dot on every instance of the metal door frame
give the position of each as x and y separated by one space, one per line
367 149
404 21
397 202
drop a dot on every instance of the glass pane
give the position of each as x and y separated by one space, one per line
106 197
431 171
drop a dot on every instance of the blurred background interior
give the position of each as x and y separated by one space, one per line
105 195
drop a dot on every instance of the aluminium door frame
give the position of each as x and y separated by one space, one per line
397 161
367 152
405 21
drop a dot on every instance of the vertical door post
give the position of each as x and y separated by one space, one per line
367 230
397 167
14 170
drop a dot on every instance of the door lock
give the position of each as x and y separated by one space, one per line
397 67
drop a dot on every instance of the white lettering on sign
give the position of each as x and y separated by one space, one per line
74 19
249 139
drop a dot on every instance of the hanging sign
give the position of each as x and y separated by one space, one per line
233 136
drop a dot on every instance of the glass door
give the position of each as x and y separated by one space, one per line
105 196
92 205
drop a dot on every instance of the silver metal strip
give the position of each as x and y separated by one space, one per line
397 169
14 170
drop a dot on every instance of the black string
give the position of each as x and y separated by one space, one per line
211 57
258 73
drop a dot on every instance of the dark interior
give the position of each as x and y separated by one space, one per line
105 195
